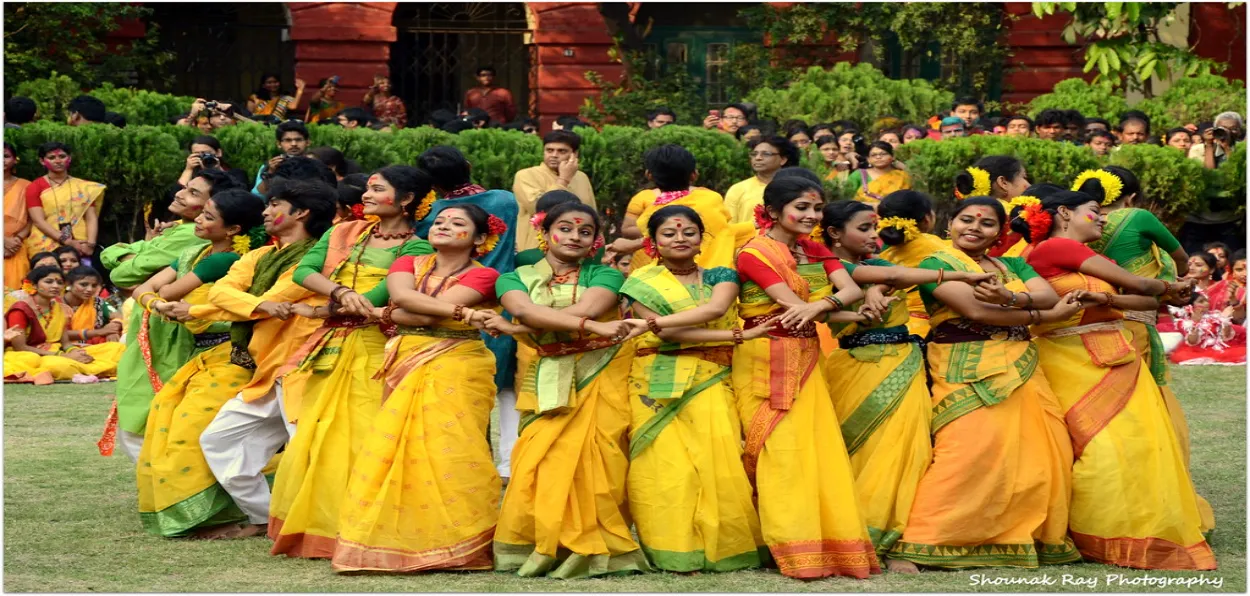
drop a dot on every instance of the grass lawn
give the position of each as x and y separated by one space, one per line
71 522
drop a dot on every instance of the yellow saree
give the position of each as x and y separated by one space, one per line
877 381
64 206
15 220
909 255
795 455
721 239
338 397
1133 503
564 513
688 492
996 492
45 330
872 191
423 494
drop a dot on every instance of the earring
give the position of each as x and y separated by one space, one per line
837 244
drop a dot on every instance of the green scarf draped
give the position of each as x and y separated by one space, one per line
268 269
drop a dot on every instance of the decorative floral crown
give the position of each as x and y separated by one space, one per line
1022 201
1112 186
981 186
1039 221
909 228
423 208
495 230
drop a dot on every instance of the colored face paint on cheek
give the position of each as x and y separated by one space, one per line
555 238
462 235
1090 218
386 201
277 221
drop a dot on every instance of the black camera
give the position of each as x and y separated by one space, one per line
209 161
210 105
1221 134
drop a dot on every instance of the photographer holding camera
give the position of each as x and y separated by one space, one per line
219 114
1217 141
205 155
292 139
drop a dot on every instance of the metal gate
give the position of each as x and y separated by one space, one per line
440 45
221 50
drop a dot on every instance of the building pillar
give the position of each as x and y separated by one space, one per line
349 39
570 38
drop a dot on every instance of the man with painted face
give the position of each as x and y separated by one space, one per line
131 264
63 210
259 295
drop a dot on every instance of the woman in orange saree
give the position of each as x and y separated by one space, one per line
16 223
1133 502
424 495
40 354
795 456
996 492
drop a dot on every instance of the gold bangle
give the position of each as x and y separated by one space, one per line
941 272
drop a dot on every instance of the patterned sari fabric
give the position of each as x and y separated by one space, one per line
64 207
423 494
721 239
795 456
688 492
15 218
1133 503
877 381
996 493
909 255
334 395
872 191
45 330
564 514
1144 257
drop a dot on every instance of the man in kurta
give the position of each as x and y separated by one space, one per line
259 293
559 171
131 264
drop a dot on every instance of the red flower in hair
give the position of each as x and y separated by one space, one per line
648 248
537 220
1040 222
496 226
597 245
358 211
762 220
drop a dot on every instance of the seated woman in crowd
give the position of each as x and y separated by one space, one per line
94 321
42 354
271 100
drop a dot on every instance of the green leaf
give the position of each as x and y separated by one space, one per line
1113 9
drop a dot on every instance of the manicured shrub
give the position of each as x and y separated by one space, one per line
860 93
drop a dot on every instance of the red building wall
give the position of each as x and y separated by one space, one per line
348 39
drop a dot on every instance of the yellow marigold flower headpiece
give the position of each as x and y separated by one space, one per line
423 208
1112 186
1022 201
981 186
818 234
909 228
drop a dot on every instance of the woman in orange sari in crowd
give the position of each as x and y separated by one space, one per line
41 353
809 512
1133 503
996 493
431 432
16 222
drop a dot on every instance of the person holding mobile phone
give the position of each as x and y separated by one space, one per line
387 107
733 117
322 106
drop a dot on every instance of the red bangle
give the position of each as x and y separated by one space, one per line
653 325
457 312
581 326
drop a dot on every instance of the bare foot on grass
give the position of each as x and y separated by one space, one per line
901 566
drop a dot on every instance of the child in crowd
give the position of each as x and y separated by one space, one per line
1210 335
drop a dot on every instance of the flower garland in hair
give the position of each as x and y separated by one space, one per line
1112 186
648 247
981 186
241 244
423 208
1022 201
495 230
253 238
537 223
358 211
1039 221
763 221
908 227
28 287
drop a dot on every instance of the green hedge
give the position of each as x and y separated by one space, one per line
138 106
1187 101
860 93
139 163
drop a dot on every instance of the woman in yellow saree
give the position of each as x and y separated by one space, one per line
877 380
16 223
688 492
1001 177
906 218
424 494
564 514
1133 502
40 354
996 493
330 389
1140 244
809 512
178 493
881 177
63 210
672 169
